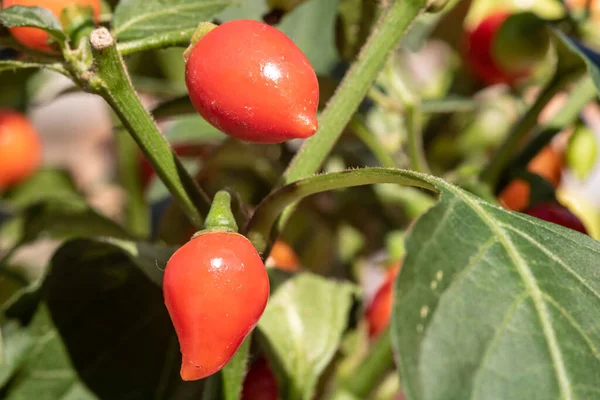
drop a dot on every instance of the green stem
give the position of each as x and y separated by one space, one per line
136 211
393 24
158 41
584 92
260 226
372 143
391 27
415 140
520 130
110 80
220 215
371 371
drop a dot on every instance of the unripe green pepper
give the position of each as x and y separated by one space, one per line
582 151
521 42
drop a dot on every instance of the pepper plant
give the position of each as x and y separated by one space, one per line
347 199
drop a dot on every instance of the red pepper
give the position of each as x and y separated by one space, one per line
216 288
251 82
20 148
557 214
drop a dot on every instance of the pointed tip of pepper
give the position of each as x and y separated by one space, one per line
192 372
307 125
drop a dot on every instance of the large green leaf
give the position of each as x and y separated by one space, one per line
37 17
137 19
114 324
303 324
46 373
494 304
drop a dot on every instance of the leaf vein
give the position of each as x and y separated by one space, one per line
164 11
532 288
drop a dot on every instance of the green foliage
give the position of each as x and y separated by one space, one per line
137 19
507 302
37 17
488 302
303 324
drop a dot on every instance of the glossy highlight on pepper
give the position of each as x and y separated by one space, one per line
252 82
215 288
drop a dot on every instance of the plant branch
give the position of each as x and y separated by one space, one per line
520 130
391 27
158 41
261 225
393 24
110 80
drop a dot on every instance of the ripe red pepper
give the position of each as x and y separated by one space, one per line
35 38
216 288
379 311
260 382
251 82
20 148
557 214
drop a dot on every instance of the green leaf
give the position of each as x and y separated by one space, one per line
137 19
590 57
314 19
68 219
37 17
114 323
12 65
303 323
46 373
49 203
46 184
14 344
234 372
490 301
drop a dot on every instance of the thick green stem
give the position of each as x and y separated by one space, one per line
110 80
260 226
389 30
136 212
158 41
392 25
371 371
520 130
